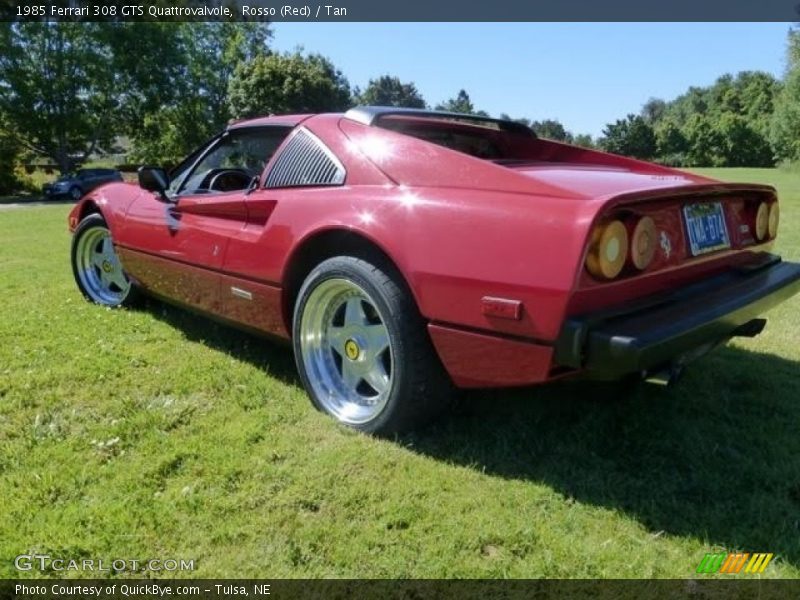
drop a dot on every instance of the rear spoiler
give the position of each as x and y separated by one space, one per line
370 115
713 188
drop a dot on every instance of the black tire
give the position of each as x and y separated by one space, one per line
89 279
418 389
75 193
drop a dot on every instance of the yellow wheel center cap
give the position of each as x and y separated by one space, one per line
107 266
351 349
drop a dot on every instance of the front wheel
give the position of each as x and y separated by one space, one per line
96 266
362 350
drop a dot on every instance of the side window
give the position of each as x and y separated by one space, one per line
177 175
305 161
234 161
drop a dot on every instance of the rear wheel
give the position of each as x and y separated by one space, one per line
362 349
96 266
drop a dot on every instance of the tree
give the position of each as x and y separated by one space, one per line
585 140
551 129
672 147
9 152
171 122
142 89
704 142
285 83
740 145
631 136
653 110
461 104
70 89
390 91
785 125
57 89
214 50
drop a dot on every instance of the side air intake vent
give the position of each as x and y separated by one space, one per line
305 161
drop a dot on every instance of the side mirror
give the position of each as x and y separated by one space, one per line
154 179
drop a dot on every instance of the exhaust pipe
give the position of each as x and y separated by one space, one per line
667 376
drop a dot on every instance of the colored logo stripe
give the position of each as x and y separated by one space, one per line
758 563
711 563
734 562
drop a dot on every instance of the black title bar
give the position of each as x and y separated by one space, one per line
406 10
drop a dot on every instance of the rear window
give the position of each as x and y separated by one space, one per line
475 140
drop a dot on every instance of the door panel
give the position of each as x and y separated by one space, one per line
176 250
246 296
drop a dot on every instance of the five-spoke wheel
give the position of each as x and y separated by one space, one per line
96 266
347 350
362 349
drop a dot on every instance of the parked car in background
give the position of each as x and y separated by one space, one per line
74 185
404 252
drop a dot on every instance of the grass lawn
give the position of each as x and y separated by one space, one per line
154 433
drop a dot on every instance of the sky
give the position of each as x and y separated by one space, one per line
583 74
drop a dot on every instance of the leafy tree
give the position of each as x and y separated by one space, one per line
785 125
653 110
173 120
9 152
724 124
632 136
704 142
671 143
551 129
286 83
585 140
461 104
214 50
740 145
149 66
70 89
57 89
390 91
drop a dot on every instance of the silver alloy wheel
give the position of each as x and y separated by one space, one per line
75 193
346 351
99 268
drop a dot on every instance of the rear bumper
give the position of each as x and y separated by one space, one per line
669 328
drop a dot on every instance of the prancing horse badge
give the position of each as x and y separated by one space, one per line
666 245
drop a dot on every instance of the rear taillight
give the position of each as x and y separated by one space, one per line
762 221
774 219
619 242
608 250
643 243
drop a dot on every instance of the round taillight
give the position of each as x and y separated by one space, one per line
608 250
774 219
762 221
643 243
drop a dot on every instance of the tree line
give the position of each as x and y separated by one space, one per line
69 91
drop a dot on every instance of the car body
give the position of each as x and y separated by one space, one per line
74 185
500 258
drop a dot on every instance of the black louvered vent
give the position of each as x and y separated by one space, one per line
304 162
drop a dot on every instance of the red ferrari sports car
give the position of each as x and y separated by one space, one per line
407 252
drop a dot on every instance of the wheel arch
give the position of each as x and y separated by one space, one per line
322 245
90 207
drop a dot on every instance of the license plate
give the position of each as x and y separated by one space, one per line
705 224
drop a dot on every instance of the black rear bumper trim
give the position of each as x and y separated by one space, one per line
662 328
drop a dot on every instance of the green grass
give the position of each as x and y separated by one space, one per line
154 433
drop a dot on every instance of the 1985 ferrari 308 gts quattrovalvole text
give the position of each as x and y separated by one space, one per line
406 253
